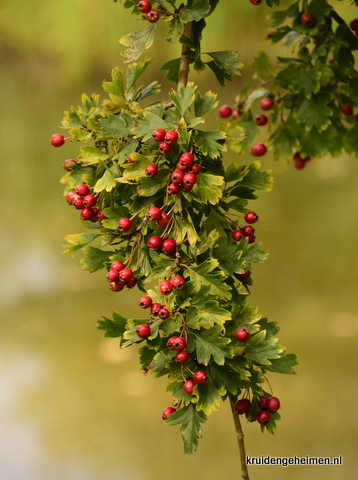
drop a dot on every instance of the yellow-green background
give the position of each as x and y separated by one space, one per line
74 407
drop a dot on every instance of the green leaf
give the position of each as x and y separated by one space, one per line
262 64
184 99
148 124
191 421
186 228
257 179
115 327
79 240
208 142
106 182
261 349
173 70
195 10
315 112
151 185
207 188
227 60
146 356
116 126
279 16
205 104
251 129
176 29
208 242
115 87
137 43
220 73
132 171
210 344
235 171
90 155
204 274
205 311
94 258
151 89
226 376
283 364
114 214
134 72
209 397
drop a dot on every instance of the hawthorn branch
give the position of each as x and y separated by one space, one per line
185 60
240 441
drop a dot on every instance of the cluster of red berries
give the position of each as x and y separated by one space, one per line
120 277
266 405
185 176
165 139
300 162
246 231
145 6
83 200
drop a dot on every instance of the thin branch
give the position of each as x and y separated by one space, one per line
185 60
240 441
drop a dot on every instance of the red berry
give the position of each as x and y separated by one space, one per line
113 275
251 238
69 165
178 282
237 235
117 265
125 274
171 137
167 411
176 343
243 406
164 313
235 114
182 357
82 190
347 109
242 276
115 287
256 2
356 117
152 16
266 103
132 282
242 334
299 163
200 377
143 330
101 215
262 401
57 140
163 221
130 158
188 386
154 213
169 246
248 230
89 200
177 177
70 197
186 160
194 168
263 417
155 242
261 120
354 24
155 309
78 203
251 217
258 149
225 111
151 170
165 287
87 213
144 6
164 148
145 302
158 135
273 404
173 189
124 225
189 179
307 19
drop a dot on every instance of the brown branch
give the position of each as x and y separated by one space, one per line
240 441
185 60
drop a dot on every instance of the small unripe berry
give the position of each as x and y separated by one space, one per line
225 111
176 343
143 330
182 357
144 6
237 235
307 19
82 190
171 137
347 109
57 140
151 170
258 149
200 377
163 313
273 404
69 164
263 417
155 242
251 217
145 302
266 103
163 221
169 246
158 135
117 265
165 148
155 309
177 176
154 213
167 411
165 287
173 189
189 386
152 16
242 334
89 200
178 282
243 406
124 225
261 120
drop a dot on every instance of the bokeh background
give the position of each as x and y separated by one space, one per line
72 405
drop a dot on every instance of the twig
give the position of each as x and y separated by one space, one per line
240 440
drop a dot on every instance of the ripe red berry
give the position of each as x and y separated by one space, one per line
125 274
242 334
154 213
164 148
132 282
155 242
194 168
185 160
82 190
70 197
251 217
158 135
266 103
152 16
248 230
69 164
113 275
225 111
178 282
188 386
189 180
89 200
261 120
256 2
273 404
78 203
354 24
177 177
243 406
164 313
101 215
263 417
87 213
145 302
200 377
173 189
155 309
165 287
151 170
176 343
258 149
169 246
182 357
143 330
299 163
171 137
57 140
124 225
237 235
163 221
144 6
167 411
242 276
307 19
251 238
347 109
262 401
117 265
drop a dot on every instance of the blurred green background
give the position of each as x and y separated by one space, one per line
72 405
